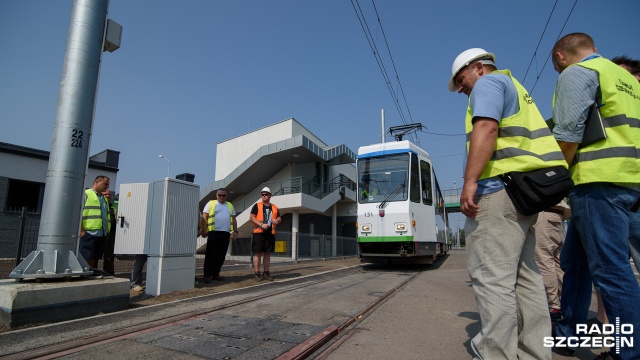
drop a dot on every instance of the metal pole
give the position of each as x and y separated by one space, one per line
382 118
61 211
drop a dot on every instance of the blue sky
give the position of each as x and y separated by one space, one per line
190 74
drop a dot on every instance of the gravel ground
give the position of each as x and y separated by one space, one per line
237 279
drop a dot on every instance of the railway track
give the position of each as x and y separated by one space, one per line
235 302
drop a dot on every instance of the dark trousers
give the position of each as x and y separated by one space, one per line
217 245
109 257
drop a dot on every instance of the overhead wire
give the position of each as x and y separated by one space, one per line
376 53
548 56
535 52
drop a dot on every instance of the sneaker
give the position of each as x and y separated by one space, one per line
138 288
206 279
267 276
605 356
257 276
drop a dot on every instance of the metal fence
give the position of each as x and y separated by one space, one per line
19 237
301 246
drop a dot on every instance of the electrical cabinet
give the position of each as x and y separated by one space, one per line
158 218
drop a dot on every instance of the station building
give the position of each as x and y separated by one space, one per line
313 184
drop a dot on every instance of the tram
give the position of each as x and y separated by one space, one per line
401 211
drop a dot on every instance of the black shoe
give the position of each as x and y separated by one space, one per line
218 278
206 279
597 323
607 355
564 351
257 276
267 276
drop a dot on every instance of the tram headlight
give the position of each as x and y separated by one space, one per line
366 228
401 227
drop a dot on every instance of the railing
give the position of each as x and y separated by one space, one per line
296 185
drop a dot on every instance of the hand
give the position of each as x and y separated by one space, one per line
264 226
467 204
234 235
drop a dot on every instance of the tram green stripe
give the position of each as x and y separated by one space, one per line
385 238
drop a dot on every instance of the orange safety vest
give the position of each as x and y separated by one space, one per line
260 217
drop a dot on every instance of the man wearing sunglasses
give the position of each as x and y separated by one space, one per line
264 216
219 216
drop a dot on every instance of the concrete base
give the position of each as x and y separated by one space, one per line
170 273
32 302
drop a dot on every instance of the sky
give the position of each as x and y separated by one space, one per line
193 73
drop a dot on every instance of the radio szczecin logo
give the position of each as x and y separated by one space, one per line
610 335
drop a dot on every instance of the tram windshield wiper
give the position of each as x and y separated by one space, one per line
393 194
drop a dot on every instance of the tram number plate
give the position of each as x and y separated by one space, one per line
368 214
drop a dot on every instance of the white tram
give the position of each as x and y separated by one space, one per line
401 211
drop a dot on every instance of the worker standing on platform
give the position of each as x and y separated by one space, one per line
500 241
219 217
264 216
95 222
607 186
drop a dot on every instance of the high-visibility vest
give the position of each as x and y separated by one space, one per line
211 220
615 159
524 141
92 213
260 217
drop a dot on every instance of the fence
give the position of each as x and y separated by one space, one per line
13 224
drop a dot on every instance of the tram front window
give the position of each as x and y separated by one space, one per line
381 176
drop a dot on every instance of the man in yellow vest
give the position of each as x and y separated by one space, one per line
505 132
95 222
264 216
607 186
220 219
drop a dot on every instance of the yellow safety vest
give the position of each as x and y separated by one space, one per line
524 141
615 159
92 213
211 220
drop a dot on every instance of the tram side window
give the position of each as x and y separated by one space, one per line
427 192
414 194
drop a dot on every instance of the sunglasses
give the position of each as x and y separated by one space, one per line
222 195
265 194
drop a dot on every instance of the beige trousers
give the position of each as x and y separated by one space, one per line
506 281
549 239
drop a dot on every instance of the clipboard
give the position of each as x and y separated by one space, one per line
594 130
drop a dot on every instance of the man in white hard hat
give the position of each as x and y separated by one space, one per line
264 216
505 132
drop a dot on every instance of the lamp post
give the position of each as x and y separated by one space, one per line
168 164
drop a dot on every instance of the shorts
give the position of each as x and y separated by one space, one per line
92 247
263 242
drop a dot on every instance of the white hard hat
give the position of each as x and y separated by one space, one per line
266 189
465 58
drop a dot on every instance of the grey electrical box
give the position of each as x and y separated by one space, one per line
112 37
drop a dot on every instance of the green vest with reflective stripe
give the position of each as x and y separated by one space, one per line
617 158
211 220
524 140
92 213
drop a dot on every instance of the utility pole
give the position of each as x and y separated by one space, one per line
55 256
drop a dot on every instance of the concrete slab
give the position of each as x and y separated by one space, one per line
34 302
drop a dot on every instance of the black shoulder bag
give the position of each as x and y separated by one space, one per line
537 190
